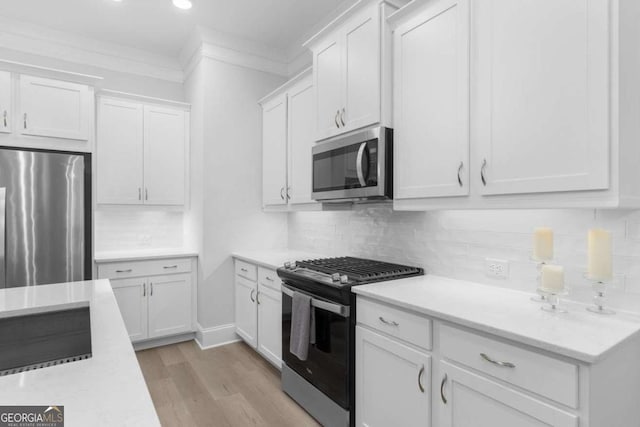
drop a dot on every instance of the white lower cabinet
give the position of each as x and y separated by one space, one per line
259 309
471 400
270 324
246 311
392 382
131 295
156 298
481 380
169 305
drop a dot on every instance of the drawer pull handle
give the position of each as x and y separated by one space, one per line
495 362
124 271
269 278
168 267
244 270
387 322
251 295
420 386
444 381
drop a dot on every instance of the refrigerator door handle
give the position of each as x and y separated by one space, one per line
3 269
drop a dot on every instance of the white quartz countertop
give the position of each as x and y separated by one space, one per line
274 258
510 314
116 256
106 390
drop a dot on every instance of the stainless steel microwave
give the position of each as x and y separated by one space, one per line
356 167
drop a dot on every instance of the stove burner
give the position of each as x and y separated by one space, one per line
360 270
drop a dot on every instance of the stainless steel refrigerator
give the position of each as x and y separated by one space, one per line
45 217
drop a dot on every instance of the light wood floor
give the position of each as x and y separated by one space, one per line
224 386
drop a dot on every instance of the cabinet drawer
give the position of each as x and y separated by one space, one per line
269 278
246 270
117 270
395 322
549 377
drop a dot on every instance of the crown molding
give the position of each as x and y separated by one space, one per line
205 43
38 40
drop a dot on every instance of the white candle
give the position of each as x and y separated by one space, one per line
543 244
600 258
552 278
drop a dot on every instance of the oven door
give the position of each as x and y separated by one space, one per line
353 167
327 364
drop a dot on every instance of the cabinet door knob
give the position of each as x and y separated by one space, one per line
444 381
144 289
282 193
258 297
342 118
4 118
484 166
288 196
420 386
251 295
146 194
139 193
335 119
151 285
459 172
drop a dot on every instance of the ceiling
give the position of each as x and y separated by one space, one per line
157 26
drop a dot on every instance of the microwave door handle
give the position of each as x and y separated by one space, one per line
363 147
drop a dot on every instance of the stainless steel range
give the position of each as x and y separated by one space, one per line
324 383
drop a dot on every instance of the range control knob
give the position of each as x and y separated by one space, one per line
344 278
287 265
335 277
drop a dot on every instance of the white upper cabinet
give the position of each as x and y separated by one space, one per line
274 151
351 70
327 61
300 142
164 155
362 68
141 154
287 141
431 102
120 151
6 106
53 108
535 104
540 73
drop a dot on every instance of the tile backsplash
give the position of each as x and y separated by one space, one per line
457 243
126 229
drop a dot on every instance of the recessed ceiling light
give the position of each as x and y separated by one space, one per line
182 4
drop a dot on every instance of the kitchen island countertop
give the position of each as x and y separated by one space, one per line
106 390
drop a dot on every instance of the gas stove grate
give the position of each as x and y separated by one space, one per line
359 269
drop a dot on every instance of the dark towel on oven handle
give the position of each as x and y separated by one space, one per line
302 325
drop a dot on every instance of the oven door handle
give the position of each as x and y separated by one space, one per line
363 182
338 309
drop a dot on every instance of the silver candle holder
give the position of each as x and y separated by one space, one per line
540 297
599 299
552 299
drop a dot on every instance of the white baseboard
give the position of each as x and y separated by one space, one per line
159 342
216 336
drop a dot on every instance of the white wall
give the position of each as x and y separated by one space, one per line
229 150
456 243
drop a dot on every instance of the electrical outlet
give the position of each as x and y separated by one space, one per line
496 268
